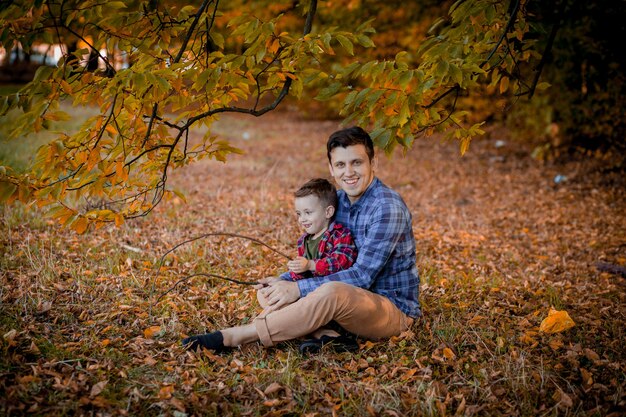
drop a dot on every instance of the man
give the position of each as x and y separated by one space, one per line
377 297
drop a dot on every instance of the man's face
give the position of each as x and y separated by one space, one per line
312 215
352 169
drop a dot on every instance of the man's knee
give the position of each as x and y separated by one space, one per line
334 289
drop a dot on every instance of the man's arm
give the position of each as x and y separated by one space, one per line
385 228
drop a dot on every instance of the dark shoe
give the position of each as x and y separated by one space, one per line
213 341
338 344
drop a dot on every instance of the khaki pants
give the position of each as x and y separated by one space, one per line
359 311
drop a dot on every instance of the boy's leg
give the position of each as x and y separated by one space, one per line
359 311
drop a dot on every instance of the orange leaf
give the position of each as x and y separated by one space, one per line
93 159
504 84
67 88
587 377
271 403
555 344
529 338
165 392
151 331
80 225
448 353
111 129
119 219
556 322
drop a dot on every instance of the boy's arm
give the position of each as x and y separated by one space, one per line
291 275
342 256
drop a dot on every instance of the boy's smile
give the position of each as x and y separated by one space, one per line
313 217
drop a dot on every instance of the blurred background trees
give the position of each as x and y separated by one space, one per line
154 71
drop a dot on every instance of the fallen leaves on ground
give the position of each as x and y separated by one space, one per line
498 244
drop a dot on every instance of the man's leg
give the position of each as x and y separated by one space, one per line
359 311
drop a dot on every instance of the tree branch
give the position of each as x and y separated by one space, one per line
235 235
509 25
283 92
546 51
201 274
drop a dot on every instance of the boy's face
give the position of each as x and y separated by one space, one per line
352 169
312 215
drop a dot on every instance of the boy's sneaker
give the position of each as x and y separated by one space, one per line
338 344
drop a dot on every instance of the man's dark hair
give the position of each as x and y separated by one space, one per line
349 137
322 189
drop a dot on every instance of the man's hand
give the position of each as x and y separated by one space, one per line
264 282
279 293
299 265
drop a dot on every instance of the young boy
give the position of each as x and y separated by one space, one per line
326 247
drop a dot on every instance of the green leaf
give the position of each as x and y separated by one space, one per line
365 41
405 78
456 74
328 92
465 143
543 86
442 69
6 190
345 42
116 4
405 113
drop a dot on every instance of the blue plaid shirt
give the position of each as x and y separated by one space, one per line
380 223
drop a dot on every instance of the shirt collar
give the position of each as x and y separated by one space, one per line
368 192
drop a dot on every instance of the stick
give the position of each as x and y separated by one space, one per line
203 275
160 264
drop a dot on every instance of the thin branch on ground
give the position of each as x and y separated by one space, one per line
202 274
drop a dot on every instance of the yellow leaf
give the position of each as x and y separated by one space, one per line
151 331
119 219
556 322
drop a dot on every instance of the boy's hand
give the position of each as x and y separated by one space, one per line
300 265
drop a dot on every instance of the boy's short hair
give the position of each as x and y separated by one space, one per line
322 189
348 137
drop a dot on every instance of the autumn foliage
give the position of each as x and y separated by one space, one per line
167 69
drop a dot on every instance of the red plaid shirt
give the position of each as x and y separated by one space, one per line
337 251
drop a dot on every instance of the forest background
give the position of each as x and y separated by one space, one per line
500 123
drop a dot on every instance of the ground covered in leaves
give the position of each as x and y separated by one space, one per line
88 328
